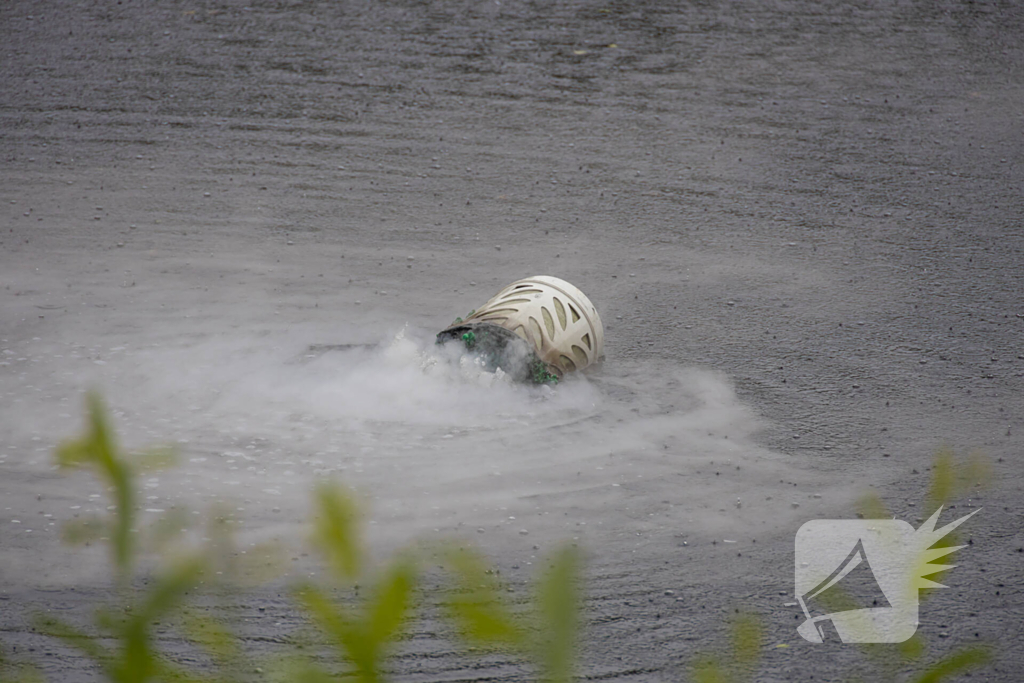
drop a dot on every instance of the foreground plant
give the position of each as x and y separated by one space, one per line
739 662
361 632
952 479
17 671
129 621
548 635
362 636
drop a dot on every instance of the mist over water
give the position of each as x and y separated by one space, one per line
431 441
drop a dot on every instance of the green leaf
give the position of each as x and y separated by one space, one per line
951 480
363 642
110 620
98 448
211 635
391 603
739 662
57 628
294 668
169 590
912 649
708 669
746 642
18 672
476 607
352 639
558 608
326 615
960 661
335 531
870 506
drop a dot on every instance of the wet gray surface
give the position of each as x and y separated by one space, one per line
801 223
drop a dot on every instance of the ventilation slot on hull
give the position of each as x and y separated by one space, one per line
581 355
548 322
535 327
560 310
504 312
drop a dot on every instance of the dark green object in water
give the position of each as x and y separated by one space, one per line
500 348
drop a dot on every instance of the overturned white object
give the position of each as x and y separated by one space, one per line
554 317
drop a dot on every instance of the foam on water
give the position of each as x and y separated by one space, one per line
407 380
434 442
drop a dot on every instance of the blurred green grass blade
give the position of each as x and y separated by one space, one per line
164 670
351 639
911 649
558 608
870 506
111 620
327 616
951 480
336 530
212 636
136 664
293 668
98 447
956 663
139 662
18 672
391 603
746 641
361 637
476 607
483 620
75 453
88 645
708 669
310 674
739 662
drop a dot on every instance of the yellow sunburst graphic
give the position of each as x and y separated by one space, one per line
924 538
